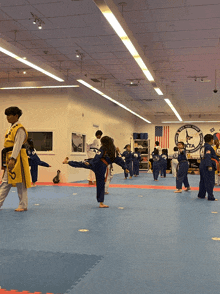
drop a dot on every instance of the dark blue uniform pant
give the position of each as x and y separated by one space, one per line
34 169
163 169
207 181
129 167
181 177
156 170
99 170
136 168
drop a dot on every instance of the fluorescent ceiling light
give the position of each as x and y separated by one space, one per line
124 37
114 101
190 121
173 108
39 87
7 52
159 92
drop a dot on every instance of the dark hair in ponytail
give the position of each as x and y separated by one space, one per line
30 143
109 147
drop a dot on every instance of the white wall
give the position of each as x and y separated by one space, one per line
63 112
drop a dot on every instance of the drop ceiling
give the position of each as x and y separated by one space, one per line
180 39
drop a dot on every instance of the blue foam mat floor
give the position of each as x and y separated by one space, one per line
160 242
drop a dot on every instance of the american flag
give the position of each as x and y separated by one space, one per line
162 136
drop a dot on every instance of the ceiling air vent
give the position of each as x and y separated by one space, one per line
95 80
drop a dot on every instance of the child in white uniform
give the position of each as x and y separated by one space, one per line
91 147
174 161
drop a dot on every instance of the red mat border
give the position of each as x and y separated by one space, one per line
119 186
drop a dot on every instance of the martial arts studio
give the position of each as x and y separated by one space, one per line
140 71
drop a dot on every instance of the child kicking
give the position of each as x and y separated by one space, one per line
105 156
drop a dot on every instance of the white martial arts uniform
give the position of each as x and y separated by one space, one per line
159 149
21 187
91 147
109 177
174 163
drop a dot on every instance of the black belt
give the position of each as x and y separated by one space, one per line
183 161
4 152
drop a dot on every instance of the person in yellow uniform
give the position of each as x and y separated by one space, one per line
15 160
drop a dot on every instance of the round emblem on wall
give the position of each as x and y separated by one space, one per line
191 136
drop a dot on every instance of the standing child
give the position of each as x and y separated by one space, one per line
105 156
136 156
91 147
156 164
216 147
182 171
34 161
109 172
174 161
128 159
14 160
157 146
163 163
108 177
207 169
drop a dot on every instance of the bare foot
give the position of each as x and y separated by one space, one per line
66 160
178 191
33 185
21 209
130 177
187 189
101 205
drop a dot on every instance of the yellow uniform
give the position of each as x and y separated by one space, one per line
15 175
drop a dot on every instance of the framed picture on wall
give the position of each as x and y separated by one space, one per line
78 142
43 141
